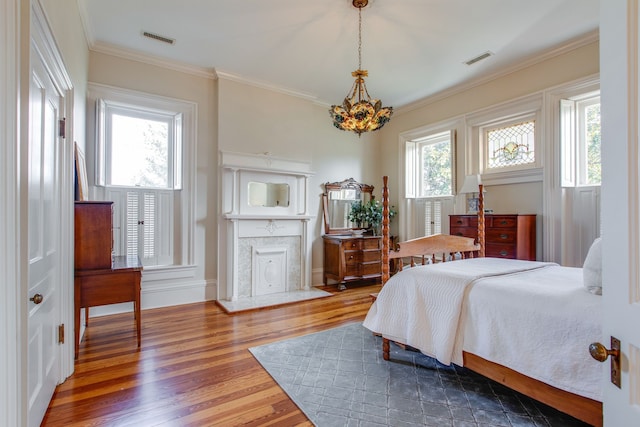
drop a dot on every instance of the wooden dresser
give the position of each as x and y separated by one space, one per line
506 236
351 258
93 235
101 278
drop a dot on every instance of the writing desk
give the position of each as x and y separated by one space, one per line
120 283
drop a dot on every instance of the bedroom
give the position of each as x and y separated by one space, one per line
227 100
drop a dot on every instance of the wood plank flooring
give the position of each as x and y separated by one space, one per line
193 368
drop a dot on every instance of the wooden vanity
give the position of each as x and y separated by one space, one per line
348 257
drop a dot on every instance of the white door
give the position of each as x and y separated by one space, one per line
619 68
45 103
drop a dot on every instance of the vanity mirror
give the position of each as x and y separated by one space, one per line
337 200
267 194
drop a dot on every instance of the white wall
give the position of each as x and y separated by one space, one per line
256 120
580 62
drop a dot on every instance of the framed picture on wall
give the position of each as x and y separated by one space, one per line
82 185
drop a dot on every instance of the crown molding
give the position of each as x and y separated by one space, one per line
268 86
212 73
207 73
574 44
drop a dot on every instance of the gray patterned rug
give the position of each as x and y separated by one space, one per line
338 378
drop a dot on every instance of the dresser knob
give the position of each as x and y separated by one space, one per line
504 253
503 236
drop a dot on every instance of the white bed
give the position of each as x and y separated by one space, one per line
525 324
535 318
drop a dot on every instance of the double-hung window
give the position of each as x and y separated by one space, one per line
580 174
429 182
580 128
139 162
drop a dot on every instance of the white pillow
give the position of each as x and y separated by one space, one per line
592 268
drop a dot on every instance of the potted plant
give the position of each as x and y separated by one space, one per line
357 214
369 213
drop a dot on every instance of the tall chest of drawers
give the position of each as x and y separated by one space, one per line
351 258
506 236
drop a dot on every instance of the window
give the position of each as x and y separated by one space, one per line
580 123
504 143
142 143
429 182
432 170
511 145
141 148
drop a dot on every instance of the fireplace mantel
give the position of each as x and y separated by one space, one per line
263 246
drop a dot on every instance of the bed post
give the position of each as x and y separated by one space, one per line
385 230
385 250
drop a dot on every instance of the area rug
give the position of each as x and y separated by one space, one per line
338 378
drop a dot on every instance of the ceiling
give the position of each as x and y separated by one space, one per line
412 48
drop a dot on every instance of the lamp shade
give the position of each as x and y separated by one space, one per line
471 184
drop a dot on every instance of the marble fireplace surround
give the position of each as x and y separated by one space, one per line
264 252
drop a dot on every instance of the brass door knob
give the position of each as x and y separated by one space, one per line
37 298
601 353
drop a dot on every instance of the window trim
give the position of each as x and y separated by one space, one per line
407 187
185 203
511 112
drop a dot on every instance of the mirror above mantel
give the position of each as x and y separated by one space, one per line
337 200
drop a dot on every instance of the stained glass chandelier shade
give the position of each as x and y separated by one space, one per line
358 112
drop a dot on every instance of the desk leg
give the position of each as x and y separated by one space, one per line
136 305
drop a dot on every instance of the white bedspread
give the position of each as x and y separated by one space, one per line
533 317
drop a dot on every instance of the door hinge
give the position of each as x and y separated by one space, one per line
61 334
62 127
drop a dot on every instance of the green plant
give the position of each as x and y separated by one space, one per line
356 214
369 213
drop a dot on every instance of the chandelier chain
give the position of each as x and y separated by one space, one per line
358 112
360 38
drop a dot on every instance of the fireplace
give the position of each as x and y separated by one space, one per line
264 233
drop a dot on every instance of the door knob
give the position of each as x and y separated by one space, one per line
37 298
601 353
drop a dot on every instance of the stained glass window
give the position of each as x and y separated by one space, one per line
512 145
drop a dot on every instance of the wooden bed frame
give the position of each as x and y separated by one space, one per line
582 408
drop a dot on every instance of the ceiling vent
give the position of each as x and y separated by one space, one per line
479 58
158 37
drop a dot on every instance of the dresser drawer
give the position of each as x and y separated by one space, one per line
495 250
371 255
352 270
497 235
507 221
371 243
370 268
464 231
463 221
355 244
352 257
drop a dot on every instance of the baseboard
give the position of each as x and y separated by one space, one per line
166 294
317 276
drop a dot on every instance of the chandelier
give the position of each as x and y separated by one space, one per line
358 112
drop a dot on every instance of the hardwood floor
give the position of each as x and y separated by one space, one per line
193 368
